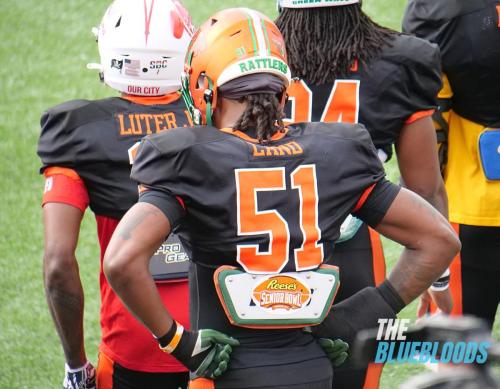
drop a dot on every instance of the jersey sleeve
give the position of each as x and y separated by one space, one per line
155 171
63 185
373 206
423 77
154 168
406 82
58 141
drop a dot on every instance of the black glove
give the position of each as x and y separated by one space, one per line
205 352
360 311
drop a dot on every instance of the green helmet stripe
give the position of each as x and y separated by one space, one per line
252 32
266 36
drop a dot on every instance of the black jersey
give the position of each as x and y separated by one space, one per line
94 137
467 32
382 95
224 182
258 207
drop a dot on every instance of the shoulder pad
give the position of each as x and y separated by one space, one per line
421 15
164 152
74 113
356 132
412 51
58 124
180 139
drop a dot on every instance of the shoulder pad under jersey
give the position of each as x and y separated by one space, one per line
58 128
426 17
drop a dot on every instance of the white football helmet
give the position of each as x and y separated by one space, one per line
142 45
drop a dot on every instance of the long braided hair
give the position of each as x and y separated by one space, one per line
323 43
263 114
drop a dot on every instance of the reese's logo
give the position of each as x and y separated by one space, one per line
281 292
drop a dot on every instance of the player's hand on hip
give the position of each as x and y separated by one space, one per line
80 378
205 352
441 298
336 350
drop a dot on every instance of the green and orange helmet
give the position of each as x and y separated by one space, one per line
232 43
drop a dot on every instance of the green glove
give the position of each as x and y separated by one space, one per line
216 360
205 352
337 350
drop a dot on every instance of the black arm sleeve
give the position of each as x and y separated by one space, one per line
167 203
378 202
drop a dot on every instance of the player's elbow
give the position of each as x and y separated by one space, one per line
444 242
452 242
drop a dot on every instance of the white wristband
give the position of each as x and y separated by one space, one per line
68 369
442 283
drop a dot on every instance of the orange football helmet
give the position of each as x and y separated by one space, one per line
232 43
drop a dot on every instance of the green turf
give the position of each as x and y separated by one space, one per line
44 48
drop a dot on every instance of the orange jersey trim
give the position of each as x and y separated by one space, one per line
152 100
419 115
63 185
373 374
355 66
201 383
377 257
104 373
50 171
363 197
242 135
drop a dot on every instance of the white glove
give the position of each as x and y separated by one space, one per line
80 378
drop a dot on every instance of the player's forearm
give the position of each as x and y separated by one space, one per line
65 299
126 264
433 192
127 277
438 199
416 269
430 243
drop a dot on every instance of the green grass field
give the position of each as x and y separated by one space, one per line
44 48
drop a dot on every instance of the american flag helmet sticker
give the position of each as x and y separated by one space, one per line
132 67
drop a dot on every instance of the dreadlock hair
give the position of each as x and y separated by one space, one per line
263 114
323 43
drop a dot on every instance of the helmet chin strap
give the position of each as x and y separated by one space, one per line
208 96
188 99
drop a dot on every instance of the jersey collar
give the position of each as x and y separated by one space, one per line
152 100
248 138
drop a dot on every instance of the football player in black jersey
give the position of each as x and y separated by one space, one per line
350 69
259 208
85 147
468 34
